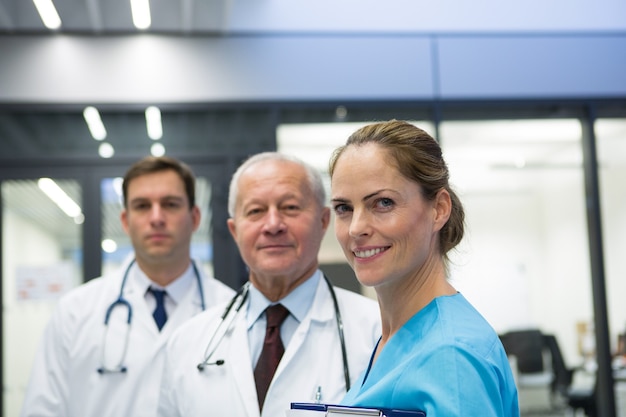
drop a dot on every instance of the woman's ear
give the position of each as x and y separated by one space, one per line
443 208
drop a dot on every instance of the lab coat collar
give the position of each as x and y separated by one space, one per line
298 301
322 310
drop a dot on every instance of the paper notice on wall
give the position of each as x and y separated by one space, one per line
43 282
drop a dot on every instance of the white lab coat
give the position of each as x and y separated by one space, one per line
64 381
312 359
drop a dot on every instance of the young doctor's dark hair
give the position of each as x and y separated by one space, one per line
152 164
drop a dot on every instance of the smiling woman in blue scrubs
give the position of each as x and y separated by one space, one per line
396 220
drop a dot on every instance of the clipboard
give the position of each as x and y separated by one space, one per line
332 410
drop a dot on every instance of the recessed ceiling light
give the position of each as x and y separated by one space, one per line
94 123
153 123
157 149
60 198
106 150
141 13
48 13
109 245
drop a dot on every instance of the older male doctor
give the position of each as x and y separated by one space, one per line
213 363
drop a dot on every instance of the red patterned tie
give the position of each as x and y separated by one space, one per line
273 350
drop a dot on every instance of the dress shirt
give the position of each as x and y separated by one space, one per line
176 290
298 302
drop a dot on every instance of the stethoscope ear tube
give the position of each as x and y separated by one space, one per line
120 367
342 339
211 348
242 295
121 301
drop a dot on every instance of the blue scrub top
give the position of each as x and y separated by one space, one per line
447 361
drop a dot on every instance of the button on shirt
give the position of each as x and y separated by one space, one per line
298 302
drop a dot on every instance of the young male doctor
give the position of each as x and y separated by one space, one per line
222 367
101 353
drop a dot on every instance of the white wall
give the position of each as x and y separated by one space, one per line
23 245
613 195
496 262
566 285
525 261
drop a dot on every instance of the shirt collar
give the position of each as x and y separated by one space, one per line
298 301
176 290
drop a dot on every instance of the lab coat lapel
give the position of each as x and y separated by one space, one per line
321 310
142 316
187 308
241 365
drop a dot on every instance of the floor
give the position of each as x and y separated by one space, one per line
534 404
564 412
539 403
555 413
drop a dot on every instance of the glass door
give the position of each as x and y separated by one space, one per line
611 146
41 260
524 260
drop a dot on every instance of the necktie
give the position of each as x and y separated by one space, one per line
273 350
159 314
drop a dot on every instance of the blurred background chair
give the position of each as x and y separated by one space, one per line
582 399
542 376
563 375
534 372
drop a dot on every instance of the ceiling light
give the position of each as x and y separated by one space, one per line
60 198
153 123
157 149
106 150
341 112
109 245
141 13
48 13
94 123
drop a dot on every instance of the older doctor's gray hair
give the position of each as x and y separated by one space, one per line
315 179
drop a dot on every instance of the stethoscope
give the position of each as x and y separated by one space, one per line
123 302
237 302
